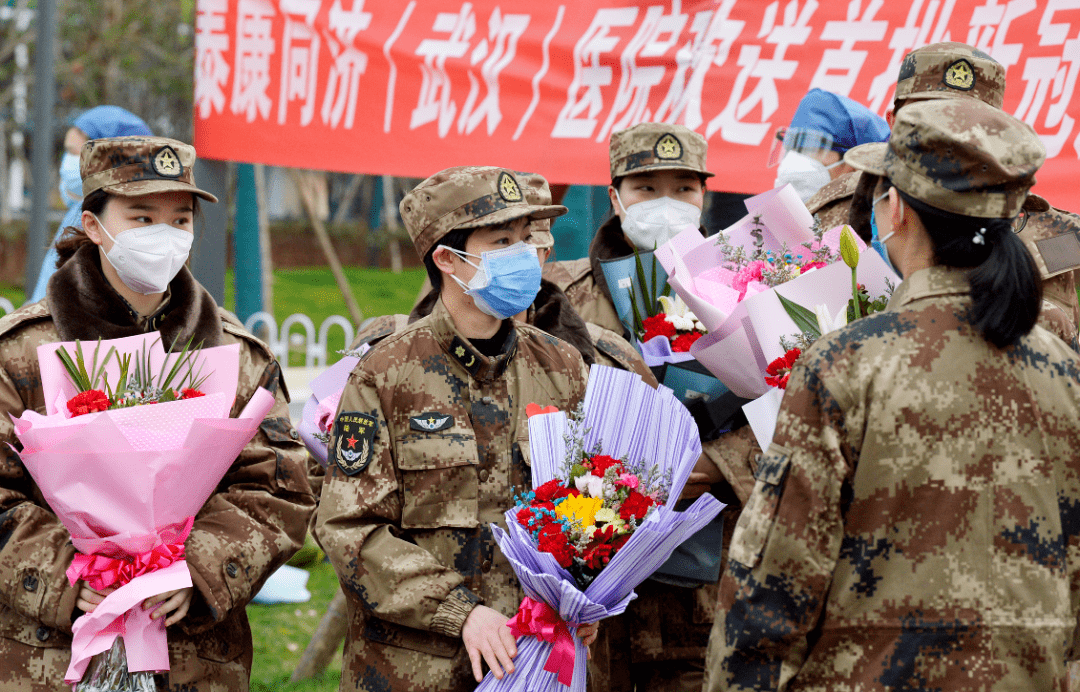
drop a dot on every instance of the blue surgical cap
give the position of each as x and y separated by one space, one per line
111 121
831 121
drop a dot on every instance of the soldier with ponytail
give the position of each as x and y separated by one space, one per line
914 517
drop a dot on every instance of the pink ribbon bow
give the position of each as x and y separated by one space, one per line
102 570
538 619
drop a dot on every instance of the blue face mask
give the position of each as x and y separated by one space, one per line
879 243
506 281
70 180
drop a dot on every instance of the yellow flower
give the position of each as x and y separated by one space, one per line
579 508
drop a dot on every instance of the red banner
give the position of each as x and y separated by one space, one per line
410 87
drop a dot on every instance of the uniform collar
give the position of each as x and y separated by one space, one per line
479 366
931 282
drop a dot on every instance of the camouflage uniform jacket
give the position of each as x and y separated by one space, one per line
409 532
252 525
583 282
913 525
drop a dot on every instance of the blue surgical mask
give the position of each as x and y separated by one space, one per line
506 281
879 243
70 180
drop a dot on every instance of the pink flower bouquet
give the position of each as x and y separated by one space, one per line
128 482
740 304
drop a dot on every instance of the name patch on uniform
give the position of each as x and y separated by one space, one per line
432 421
353 441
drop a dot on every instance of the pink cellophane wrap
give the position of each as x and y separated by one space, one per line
744 334
129 481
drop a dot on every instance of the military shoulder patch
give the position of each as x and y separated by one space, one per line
668 147
432 421
509 189
354 441
167 163
960 75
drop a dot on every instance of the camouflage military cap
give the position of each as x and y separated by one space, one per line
958 155
467 197
950 70
133 166
657 147
537 191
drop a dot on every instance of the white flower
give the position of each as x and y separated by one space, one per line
680 316
590 485
826 323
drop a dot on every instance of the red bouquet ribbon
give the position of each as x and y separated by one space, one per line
101 571
538 619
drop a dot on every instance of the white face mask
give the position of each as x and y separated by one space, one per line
148 258
652 223
805 173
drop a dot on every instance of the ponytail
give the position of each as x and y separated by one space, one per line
1005 288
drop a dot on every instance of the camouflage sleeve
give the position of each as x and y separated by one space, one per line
35 548
258 517
785 547
358 525
1057 322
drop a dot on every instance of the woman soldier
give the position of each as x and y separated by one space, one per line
913 525
123 275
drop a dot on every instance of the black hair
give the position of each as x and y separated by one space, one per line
1005 288
74 237
455 240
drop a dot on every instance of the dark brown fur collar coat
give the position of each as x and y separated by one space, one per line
85 306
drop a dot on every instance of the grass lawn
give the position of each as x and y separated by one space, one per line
312 291
281 632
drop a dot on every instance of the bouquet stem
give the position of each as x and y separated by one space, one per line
108 672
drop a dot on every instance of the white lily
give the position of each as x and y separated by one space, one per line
826 323
680 316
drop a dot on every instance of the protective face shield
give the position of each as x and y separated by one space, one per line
652 223
805 173
148 258
70 180
506 281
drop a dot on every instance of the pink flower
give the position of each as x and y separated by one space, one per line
751 272
813 265
629 480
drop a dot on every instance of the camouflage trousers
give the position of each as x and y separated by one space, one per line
26 668
658 644
371 666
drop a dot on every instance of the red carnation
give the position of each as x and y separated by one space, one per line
553 540
90 401
657 325
552 490
618 543
683 342
190 393
597 556
635 505
780 369
601 463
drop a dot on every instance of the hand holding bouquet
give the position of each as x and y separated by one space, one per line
127 471
596 523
